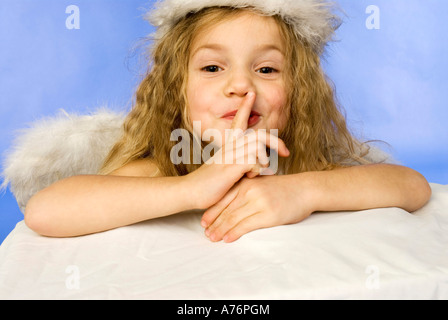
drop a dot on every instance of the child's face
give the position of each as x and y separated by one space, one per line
240 55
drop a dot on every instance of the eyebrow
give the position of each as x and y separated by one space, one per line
215 47
218 47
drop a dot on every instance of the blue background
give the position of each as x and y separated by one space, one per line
391 81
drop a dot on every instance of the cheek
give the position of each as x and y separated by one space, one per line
282 122
277 101
198 110
197 104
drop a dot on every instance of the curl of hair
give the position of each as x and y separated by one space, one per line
316 132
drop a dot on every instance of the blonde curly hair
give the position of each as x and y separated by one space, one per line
316 132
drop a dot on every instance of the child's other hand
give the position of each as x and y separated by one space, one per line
252 204
241 155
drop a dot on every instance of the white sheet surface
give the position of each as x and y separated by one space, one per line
374 254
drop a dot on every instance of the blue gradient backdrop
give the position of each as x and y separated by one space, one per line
391 81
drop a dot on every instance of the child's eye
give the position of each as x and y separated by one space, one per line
212 69
266 70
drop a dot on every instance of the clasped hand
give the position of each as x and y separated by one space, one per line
251 204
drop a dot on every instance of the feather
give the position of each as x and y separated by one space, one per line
313 20
59 147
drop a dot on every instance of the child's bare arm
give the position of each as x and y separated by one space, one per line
88 204
269 201
368 187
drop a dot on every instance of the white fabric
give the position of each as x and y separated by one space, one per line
381 253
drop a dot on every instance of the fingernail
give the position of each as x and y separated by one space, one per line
204 224
207 232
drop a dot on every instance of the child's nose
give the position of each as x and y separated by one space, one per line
239 83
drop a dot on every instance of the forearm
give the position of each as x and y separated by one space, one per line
367 187
88 204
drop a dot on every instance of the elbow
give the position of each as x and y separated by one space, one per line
37 215
419 191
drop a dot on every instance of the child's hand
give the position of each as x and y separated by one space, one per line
252 204
241 155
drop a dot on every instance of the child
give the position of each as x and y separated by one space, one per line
251 66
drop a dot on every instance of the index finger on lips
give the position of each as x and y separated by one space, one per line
239 123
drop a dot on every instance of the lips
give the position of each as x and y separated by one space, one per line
253 119
233 114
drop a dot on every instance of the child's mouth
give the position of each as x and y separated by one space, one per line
253 119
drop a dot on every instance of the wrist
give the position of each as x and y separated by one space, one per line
188 193
308 186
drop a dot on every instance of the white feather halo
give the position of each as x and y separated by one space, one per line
313 20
